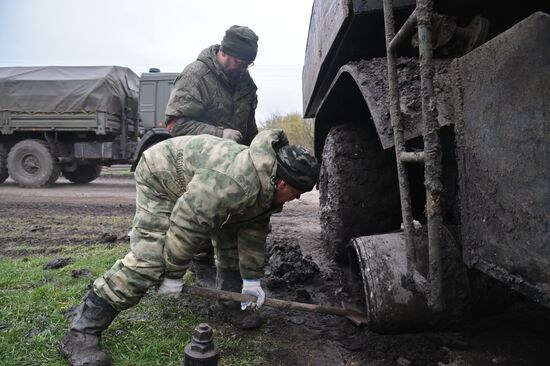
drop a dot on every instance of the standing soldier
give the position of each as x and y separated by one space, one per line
215 94
191 189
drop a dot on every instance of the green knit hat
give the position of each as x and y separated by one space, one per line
240 42
298 167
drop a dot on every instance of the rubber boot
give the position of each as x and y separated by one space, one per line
81 346
230 311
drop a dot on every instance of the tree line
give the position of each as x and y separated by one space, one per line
298 129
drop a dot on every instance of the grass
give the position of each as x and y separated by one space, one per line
33 302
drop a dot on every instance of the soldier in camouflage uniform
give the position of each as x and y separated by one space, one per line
190 189
215 94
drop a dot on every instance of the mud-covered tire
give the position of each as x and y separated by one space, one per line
83 173
3 164
358 187
31 164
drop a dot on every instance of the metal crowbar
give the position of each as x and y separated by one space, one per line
352 314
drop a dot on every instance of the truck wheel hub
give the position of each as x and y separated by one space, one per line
31 164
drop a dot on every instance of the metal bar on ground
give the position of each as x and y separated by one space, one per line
351 313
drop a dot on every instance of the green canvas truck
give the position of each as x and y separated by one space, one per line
73 120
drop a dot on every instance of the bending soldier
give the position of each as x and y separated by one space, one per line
191 189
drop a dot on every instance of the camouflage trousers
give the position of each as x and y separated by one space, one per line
144 266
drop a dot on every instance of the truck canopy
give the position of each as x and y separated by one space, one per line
68 89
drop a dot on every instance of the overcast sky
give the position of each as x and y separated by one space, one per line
167 34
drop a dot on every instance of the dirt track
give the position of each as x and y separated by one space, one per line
517 337
107 191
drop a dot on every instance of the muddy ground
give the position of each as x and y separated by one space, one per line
299 270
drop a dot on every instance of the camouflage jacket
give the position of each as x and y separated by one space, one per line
205 102
218 187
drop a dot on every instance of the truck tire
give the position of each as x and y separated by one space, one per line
358 187
31 164
3 164
83 173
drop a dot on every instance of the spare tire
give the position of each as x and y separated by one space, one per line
31 164
83 173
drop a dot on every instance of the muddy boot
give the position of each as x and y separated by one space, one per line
230 311
81 346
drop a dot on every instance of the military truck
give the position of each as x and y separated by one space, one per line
432 127
74 120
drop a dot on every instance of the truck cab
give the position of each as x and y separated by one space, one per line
154 91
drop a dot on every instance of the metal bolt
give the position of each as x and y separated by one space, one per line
201 351
203 333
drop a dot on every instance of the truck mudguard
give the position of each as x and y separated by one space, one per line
152 137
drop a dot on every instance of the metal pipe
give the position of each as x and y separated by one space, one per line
412 157
406 31
399 140
432 149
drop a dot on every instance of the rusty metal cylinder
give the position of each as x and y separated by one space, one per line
201 351
391 306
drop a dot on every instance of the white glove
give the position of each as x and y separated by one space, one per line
231 134
254 288
171 287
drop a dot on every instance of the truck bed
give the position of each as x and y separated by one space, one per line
73 98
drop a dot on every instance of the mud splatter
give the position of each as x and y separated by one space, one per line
58 263
288 266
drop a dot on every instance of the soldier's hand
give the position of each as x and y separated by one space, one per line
254 288
231 134
170 287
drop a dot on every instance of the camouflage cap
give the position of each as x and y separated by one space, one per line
298 167
240 42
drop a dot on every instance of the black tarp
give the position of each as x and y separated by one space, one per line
68 89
